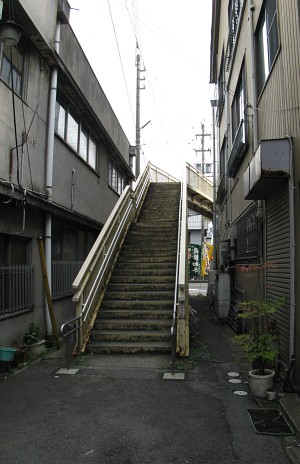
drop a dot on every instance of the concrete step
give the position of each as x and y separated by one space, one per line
132 324
130 347
152 225
136 313
167 259
130 335
146 246
138 295
119 278
142 253
160 267
151 240
138 304
138 287
144 271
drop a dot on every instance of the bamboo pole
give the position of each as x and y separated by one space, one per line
48 292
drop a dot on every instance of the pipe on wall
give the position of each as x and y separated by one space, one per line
292 251
49 168
260 211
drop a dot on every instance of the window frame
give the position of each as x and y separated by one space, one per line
238 103
92 145
17 53
116 178
267 44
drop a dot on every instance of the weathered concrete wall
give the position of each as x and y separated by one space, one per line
43 16
93 197
76 62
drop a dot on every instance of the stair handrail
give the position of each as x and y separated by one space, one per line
180 276
94 273
199 182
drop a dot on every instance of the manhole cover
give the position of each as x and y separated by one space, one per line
269 422
240 393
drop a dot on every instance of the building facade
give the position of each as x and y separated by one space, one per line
64 161
255 53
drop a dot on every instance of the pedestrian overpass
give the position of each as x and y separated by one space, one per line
93 280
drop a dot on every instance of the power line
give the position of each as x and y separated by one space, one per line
120 60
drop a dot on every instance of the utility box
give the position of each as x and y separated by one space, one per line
222 295
211 285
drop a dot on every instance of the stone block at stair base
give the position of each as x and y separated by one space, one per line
175 376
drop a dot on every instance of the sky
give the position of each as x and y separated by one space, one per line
173 37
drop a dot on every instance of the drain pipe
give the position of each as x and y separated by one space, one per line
292 251
259 213
49 168
214 266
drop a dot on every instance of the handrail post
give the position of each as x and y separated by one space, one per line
68 351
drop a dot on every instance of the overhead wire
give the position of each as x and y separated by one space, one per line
136 31
120 57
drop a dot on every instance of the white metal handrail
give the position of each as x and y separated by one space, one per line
174 321
199 182
92 277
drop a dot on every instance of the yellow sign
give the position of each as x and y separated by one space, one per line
207 256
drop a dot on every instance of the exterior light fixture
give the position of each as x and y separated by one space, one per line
10 33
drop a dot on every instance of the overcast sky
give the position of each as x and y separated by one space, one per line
174 43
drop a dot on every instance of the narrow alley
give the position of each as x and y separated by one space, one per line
118 409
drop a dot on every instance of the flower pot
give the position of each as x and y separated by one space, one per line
259 384
36 348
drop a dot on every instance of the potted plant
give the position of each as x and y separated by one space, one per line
260 343
33 339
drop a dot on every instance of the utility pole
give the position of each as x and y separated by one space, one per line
138 107
202 151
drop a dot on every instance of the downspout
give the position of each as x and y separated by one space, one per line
49 168
259 213
292 252
214 263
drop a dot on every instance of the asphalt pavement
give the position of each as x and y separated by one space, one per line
120 410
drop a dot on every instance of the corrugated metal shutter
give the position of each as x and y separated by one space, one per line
278 259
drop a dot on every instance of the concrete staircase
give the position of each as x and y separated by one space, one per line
137 309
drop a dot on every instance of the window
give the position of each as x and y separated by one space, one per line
234 12
221 90
267 42
223 158
12 59
16 276
72 130
70 243
239 126
238 105
116 178
70 247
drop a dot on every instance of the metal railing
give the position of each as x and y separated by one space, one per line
238 149
199 182
93 276
16 289
63 275
174 321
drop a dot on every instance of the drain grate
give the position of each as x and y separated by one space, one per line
269 422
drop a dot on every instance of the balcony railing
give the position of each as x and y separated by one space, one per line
222 190
233 28
16 289
239 147
63 275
